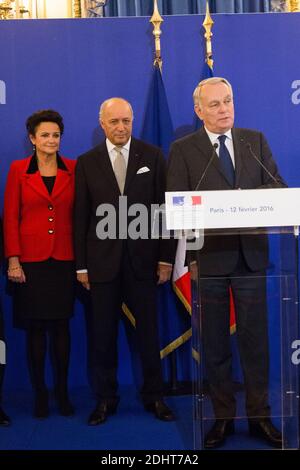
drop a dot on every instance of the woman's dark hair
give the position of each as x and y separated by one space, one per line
45 115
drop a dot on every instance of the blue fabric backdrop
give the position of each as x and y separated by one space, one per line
183 7
73 65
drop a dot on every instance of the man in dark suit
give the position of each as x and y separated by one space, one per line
4 419
220 157
115 262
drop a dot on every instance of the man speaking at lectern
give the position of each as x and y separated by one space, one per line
221 157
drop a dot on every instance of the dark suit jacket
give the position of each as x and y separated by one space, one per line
189 157
38 225
95 185
1 241
1 314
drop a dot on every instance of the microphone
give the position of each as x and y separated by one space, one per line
215 146
248 145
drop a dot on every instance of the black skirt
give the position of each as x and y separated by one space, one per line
49 290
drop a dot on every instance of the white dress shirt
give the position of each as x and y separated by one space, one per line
112 151
228 142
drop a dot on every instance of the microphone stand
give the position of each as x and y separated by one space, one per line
215 146
248 145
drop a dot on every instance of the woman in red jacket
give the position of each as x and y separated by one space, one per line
38 213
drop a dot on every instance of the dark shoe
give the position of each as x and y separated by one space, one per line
101 412
218 433
161 410
41 406
264 429
4 419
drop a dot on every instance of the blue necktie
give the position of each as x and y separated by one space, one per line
225 161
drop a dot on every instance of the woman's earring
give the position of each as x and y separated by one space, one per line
33 148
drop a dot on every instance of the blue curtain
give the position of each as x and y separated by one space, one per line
182 7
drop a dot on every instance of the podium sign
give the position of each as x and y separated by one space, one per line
278 207
244 213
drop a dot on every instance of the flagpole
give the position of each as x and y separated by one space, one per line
157 20
174 386
77 9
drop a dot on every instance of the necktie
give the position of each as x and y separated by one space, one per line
120 169
225 161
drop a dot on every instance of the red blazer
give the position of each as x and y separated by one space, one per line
37 225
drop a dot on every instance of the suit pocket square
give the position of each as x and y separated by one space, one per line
144 169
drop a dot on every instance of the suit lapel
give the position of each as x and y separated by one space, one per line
104 165
204 145
236 136
133 163
62 180
35 181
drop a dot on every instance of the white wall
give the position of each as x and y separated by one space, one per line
58 8
42 9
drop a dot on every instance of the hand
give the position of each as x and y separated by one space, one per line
83 278
164 272
16 273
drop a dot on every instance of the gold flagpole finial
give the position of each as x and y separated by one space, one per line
207 25
157 20
293 6
77 8
5 10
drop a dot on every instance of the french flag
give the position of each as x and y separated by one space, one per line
196 200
